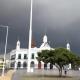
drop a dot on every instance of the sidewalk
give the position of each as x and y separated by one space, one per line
8 75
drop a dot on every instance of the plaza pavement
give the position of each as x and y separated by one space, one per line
19 73
7 75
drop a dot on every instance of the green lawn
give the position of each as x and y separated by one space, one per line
48 78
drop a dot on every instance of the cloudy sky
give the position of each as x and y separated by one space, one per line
59 19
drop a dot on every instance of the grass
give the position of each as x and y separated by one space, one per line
49 78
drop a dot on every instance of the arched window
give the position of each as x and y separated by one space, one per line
32 64
39 65
32 56
24 65
19 64
45 65
12 64
51 66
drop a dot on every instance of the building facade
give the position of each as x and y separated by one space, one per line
19 56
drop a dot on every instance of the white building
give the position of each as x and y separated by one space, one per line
19 56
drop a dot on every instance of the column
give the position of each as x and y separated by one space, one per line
21 64
15 66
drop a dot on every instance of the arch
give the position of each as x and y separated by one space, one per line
51 66
39 65
32 64
12 64
24 65
19 64
45 65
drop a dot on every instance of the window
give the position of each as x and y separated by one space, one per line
24 65
19 64
12 64
45 65
32 56
25 56
13 57
32 64
19 56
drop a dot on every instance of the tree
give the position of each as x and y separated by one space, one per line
76 64
59 57
64 57
43 56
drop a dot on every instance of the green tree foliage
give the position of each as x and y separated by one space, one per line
43 56
59 57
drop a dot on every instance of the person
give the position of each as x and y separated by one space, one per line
65 72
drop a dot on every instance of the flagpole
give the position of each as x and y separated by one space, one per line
4 62
30 39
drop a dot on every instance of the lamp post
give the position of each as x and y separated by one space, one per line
30 39
3 69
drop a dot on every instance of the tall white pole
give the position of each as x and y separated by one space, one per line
30 39
5 52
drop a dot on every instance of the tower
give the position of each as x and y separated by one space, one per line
45 44
45 39
18 45
68 46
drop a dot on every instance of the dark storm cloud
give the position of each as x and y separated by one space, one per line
59 19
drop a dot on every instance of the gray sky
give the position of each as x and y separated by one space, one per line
59 19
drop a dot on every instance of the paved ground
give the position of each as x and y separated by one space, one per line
7 76
1 71
19 73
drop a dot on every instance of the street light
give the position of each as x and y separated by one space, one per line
5 49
